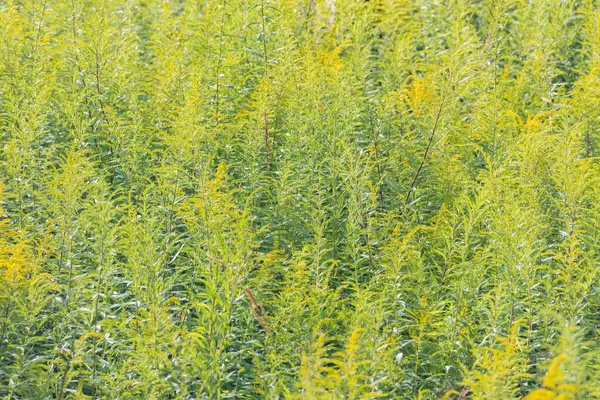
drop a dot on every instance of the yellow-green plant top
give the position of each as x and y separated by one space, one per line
299 199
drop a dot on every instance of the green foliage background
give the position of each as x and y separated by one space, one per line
303 199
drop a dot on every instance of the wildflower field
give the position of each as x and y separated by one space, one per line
300 199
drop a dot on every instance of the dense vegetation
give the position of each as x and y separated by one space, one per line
303 199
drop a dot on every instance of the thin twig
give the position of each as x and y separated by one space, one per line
258 311
433 131
267 148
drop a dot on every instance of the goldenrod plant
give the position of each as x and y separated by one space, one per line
299 199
